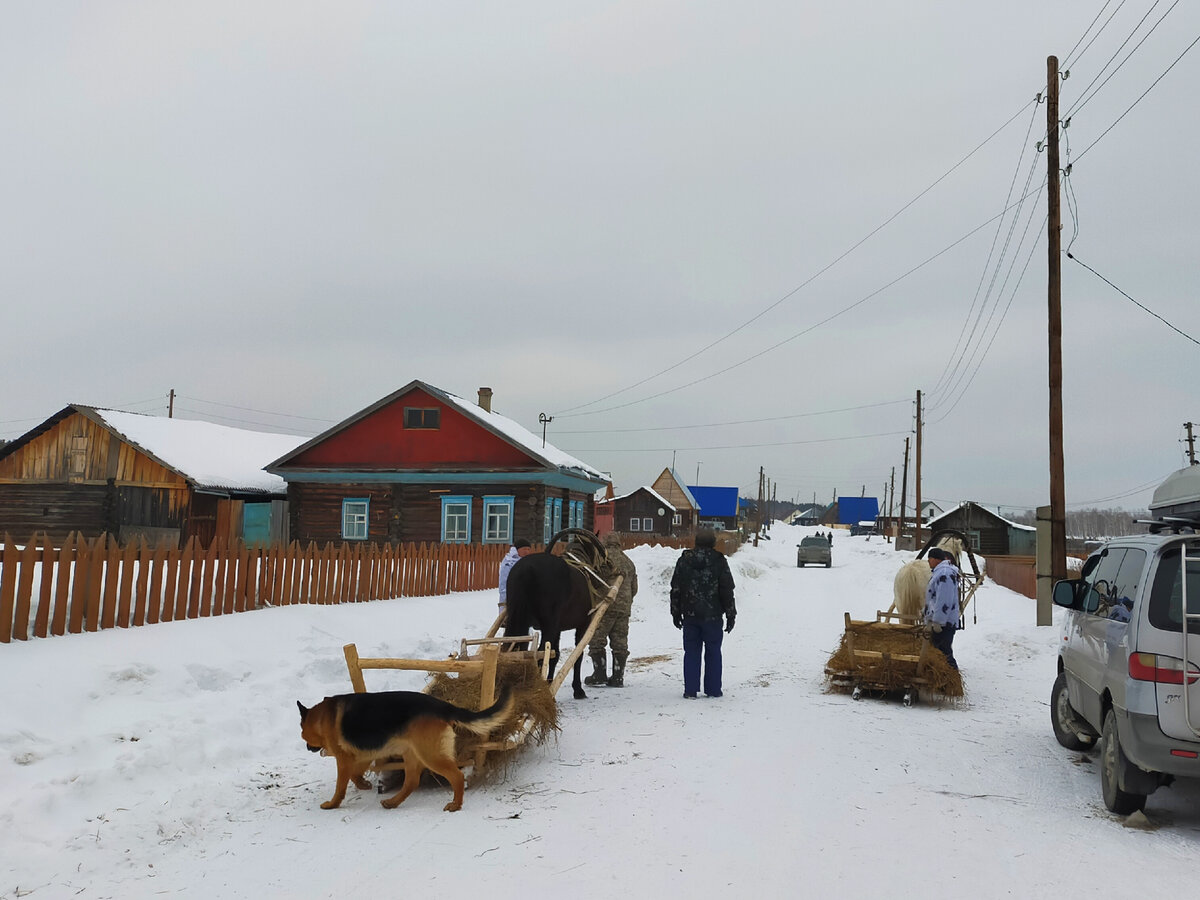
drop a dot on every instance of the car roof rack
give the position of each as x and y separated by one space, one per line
1176 524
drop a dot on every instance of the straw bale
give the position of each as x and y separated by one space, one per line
843 671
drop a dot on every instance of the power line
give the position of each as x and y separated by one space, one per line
1084 96
849 437
265 412
1131 300
224 419
1067 59
742 422
1139 99
571 410
816 325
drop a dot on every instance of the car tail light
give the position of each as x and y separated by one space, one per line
1160 669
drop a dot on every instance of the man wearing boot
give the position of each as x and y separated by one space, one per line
701 593
614 627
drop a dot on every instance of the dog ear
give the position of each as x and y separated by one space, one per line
303 710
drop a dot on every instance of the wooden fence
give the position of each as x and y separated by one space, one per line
1018 573
88 585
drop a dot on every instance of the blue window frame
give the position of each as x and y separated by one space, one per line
498 520
577 513
547 521
456 520
354 518
557 515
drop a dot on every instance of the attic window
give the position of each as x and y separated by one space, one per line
416 417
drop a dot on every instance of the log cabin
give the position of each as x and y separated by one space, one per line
92 471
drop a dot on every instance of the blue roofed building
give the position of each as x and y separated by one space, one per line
852 510
718 505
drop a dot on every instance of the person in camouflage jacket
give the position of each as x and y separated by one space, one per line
701 593
614 627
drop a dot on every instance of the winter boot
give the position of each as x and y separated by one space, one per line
617 678
599 676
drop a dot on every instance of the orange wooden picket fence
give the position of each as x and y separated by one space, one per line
89 585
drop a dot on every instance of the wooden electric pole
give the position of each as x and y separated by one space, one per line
171 404
1191 442
903 493
891 499
917 473
1058 494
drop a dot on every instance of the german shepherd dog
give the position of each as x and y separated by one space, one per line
358 729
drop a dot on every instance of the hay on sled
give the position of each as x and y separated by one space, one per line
887 657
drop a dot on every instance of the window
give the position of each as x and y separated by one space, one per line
1166 598
677 519
354 519
557 523
456 520
498 519
1100 594
635 524
416 417
647 524
547 521
575 514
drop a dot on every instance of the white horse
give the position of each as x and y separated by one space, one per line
908 588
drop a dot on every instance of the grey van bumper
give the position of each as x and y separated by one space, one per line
1148 748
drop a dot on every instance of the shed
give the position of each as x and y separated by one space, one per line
424 465
91 470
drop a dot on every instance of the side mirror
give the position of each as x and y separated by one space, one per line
1064 594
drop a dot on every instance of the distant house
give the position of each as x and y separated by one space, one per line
424 465
642 511
94 471
809 514
930 510
850 511
603 521
687 508
718 506
987 532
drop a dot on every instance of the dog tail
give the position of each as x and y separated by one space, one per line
486 720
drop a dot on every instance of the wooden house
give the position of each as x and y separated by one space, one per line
643 511
671 488
988 533
92 471
424 465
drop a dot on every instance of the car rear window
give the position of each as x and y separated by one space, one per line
814 542
1166 597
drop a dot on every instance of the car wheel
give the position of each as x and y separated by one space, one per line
827 565
1112 762
1065 720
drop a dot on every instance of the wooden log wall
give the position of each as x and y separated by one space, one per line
93 584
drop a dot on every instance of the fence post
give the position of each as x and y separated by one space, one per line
8 588
25 590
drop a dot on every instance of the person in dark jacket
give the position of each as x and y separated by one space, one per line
701 593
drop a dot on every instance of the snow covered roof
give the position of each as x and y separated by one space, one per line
501 426
649 490
964 503
214 457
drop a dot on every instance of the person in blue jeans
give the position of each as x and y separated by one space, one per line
701 594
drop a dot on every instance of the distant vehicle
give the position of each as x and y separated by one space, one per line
813 550
1128 674
863 528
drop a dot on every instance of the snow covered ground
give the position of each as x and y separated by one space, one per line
167 761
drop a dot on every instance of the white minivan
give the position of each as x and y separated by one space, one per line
1129 663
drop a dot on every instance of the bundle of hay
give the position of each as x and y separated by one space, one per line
940 678
534 703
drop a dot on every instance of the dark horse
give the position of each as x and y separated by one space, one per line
545 591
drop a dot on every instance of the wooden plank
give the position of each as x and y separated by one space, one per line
79 573
355 669
143 584
424 665
239 585
41 620
62 583
207 571
29 559
184 583
487 682
170 581
95 582
112 571
125 595
221 564
885 655
568 664
157 563
8 588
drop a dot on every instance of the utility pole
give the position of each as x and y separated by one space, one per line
759 511
1191 442
1058 494
171 404
917 474
903 492
891 498
774 491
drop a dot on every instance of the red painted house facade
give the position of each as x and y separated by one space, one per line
423 465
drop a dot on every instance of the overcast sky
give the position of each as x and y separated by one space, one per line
646 219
